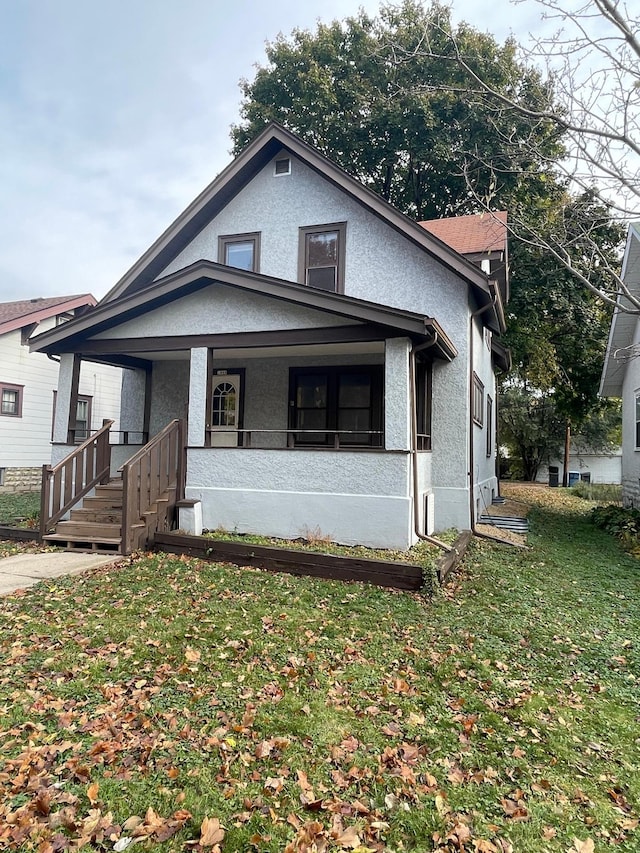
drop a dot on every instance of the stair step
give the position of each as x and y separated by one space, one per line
107 502
102 545
504 522
88 529
101 515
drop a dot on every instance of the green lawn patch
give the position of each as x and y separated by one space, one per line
175 700
20 508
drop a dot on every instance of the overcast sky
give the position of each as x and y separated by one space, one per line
114 116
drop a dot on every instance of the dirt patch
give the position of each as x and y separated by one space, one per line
506 536
510 507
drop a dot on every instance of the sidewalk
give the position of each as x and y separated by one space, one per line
24 570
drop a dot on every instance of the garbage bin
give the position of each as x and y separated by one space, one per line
553 475
574 477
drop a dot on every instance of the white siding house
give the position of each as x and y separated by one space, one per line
334 361
28 389
621 373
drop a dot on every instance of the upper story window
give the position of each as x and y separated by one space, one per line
321 256
240 250
11 400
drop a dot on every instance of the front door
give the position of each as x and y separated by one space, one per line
225 410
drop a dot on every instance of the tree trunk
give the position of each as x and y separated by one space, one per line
567 453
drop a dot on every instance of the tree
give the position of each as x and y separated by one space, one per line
530 428
399 125
592 64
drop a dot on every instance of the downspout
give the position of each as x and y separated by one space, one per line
414 443
472 509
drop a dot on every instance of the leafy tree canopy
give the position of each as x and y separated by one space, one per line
364 92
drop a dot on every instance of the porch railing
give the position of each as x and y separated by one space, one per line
152 482
66 483
332 438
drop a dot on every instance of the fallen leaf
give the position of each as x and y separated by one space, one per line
211 832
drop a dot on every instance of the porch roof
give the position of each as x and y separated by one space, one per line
364 321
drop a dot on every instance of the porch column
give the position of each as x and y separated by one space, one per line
198 397
397 417
133 406
66 399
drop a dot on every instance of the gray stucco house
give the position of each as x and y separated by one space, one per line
621 372
334 361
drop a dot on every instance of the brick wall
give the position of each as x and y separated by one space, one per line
21 480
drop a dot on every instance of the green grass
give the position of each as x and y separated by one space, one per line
500 716
600 492
19 505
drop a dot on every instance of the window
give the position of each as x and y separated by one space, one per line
82 427
321 256
11 400
489 425
83 419
637 420
478 401
344 401
282 166
423 404
240 250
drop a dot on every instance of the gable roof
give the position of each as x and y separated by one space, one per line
623 323
477 233
26 312
203 273
239 173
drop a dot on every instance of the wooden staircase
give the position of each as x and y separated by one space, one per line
119 515
96 526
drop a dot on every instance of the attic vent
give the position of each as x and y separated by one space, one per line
283 166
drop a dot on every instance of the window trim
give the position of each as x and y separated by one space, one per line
303 232
225 240
19 389
333 372
489 425
637 417
477 412
281 159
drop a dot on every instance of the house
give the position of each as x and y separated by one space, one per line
584 466
621 372
334 361
28 385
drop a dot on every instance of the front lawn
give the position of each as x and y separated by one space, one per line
171 700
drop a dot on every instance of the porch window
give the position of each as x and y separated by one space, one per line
423 404
225 405
11 400
241 251
478 401
336 406
82 427
321 256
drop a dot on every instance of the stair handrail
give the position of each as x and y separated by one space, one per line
150 474
65 484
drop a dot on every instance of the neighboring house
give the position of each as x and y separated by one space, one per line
336 363
586 466
621 372
28 383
